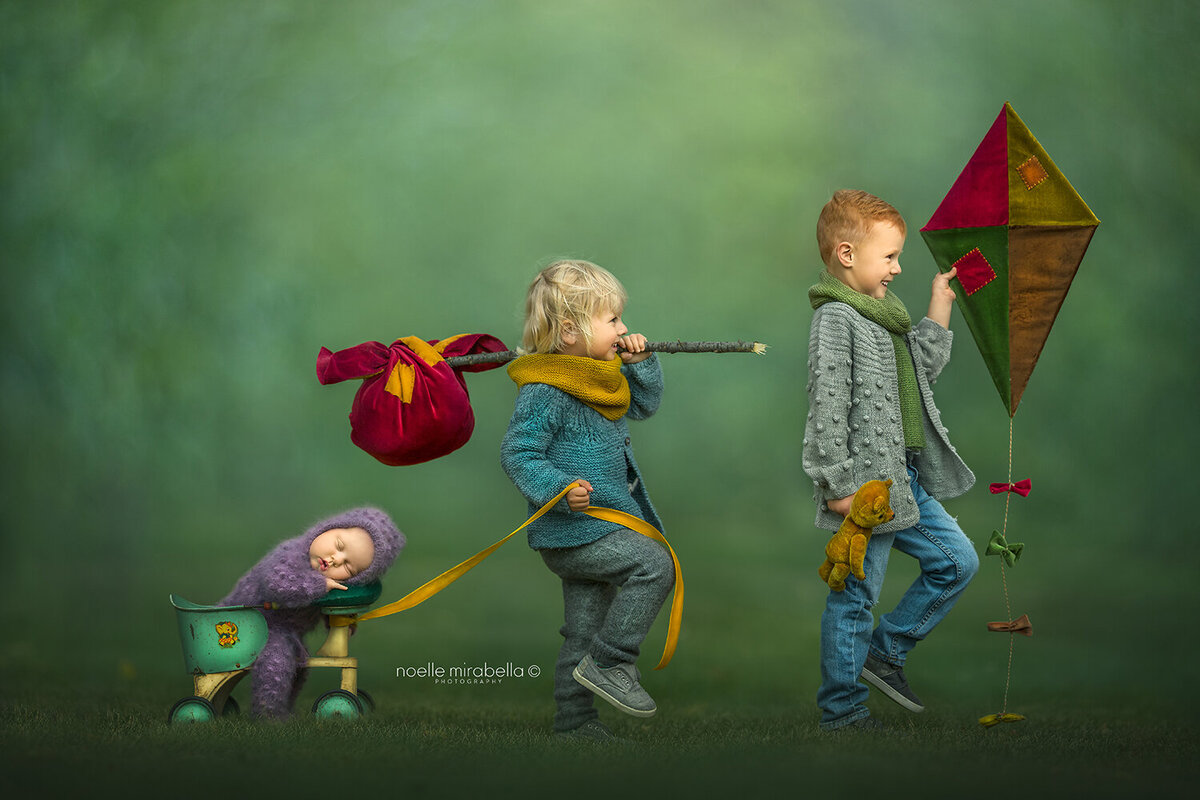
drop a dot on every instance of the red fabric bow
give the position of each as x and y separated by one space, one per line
1020 487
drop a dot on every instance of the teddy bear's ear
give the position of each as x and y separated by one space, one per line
888 483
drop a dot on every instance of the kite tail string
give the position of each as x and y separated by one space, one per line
1003 573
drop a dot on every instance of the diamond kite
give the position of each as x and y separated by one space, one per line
1016 230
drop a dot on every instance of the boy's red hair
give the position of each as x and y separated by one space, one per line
848 217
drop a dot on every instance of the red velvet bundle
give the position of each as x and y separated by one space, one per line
412 406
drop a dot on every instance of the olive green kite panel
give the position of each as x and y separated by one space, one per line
1038 193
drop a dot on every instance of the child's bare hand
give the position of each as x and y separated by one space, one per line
580 497
633 348
941 285
840 506
942 298
331 584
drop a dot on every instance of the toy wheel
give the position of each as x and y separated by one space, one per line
367 701
192 709
231 708
338 704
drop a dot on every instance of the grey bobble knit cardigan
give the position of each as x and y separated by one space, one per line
853 432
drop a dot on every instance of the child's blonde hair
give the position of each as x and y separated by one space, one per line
848 217
563 297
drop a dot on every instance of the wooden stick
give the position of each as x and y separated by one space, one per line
657 347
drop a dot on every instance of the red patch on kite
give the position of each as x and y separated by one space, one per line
974 271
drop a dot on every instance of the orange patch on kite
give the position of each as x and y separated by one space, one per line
1032 172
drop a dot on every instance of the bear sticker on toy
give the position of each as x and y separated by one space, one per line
844 554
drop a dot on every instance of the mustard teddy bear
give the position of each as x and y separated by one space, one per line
846 549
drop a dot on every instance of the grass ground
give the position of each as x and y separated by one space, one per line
452 741
85 698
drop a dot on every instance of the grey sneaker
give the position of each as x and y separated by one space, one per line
618 685
591 731
890 680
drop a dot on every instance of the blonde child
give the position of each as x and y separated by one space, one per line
583 375
872 416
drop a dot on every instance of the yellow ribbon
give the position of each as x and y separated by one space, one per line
639 525
430 588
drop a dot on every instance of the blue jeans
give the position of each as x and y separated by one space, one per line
948 562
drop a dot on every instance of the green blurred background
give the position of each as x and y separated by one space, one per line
198 196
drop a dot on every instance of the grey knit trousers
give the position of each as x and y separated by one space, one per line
613 588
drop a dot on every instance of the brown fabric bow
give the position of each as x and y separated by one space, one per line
1020 625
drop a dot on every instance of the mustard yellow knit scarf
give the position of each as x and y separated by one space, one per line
597 384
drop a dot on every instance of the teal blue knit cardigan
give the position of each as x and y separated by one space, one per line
553 439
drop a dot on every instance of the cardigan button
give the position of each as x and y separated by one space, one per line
627 441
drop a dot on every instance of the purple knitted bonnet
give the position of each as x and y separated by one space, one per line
388 539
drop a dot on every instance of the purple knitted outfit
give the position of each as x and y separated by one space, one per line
285 577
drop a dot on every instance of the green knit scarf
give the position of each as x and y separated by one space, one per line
890 314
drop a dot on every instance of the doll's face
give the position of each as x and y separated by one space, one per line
341 553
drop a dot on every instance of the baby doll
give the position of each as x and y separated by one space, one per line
354 547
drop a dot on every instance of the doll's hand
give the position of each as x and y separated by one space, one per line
331 584
633 348
840 506
580 497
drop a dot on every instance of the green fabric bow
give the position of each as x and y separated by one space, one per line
999 546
